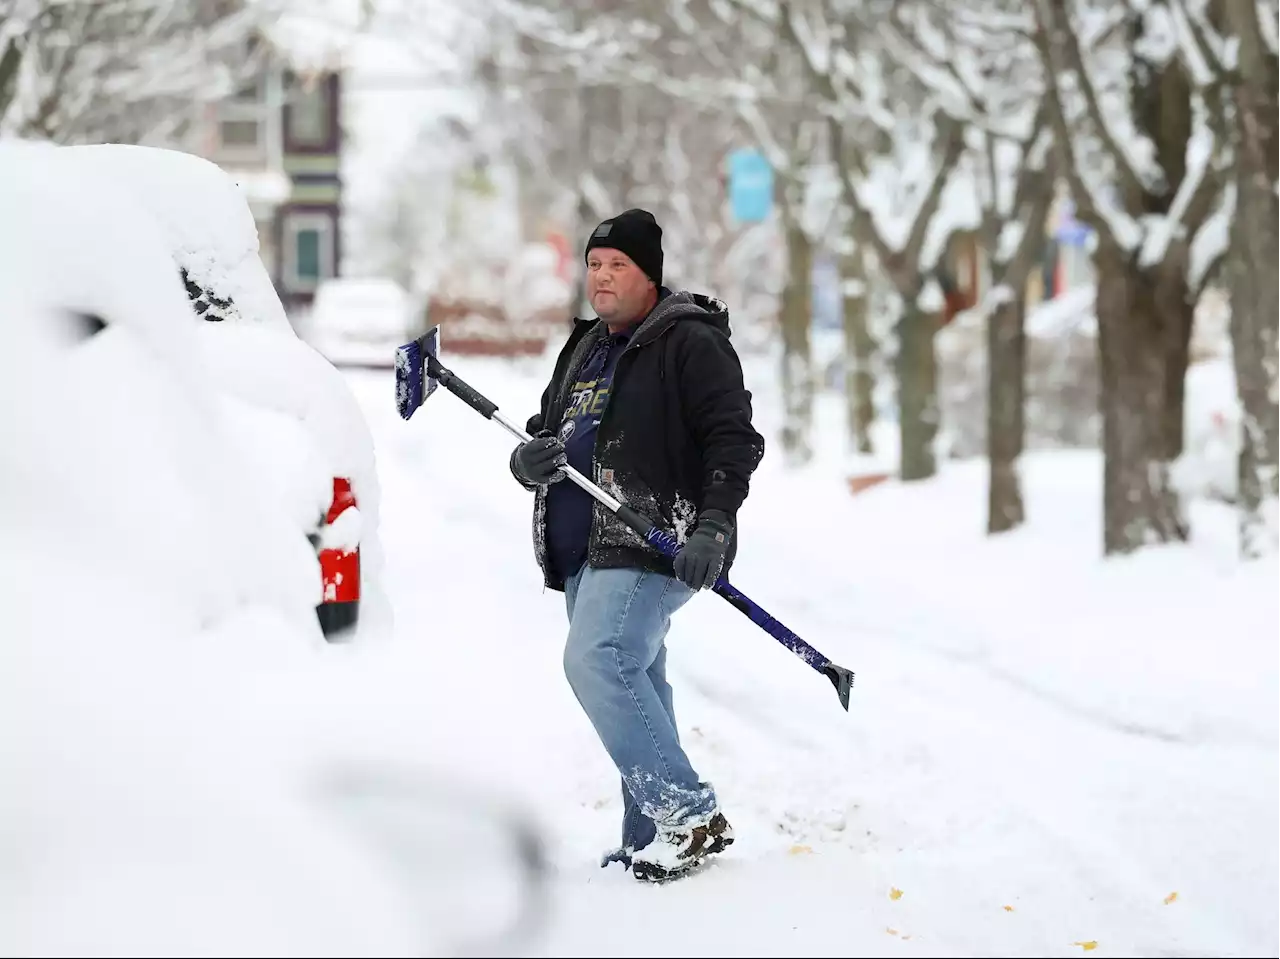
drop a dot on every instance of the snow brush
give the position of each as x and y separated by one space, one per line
418 374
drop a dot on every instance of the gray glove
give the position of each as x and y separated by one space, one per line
698 564
539 460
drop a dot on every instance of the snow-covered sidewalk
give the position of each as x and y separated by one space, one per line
1045 754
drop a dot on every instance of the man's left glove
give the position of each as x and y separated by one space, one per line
699 562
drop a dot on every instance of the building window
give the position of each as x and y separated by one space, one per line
251 92
306 242
243 128
240 134
309 114
308 250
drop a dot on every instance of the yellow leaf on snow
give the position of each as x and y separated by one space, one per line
892 932
1086 946
895 893
798 850
1008 908
1170 898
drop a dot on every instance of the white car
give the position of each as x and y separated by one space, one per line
293 410
360 321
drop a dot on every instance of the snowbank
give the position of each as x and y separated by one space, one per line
151 813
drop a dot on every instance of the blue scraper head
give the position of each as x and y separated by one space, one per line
414 382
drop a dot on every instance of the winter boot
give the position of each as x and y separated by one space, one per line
676 849
620 854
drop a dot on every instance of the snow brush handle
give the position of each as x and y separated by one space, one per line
655 536
665 543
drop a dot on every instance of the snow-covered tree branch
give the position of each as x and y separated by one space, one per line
981 76
1137 127
895 152
123 70
1231 50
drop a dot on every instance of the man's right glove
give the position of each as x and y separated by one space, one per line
539 460
699 562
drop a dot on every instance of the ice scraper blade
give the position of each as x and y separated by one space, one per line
414 382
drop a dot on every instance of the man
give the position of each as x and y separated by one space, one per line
648 401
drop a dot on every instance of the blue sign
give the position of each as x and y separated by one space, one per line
1074 233
1069 231
750 186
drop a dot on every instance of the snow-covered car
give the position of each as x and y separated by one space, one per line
156 611
292 410
360 321
87 260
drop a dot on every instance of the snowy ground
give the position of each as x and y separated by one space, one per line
1045 755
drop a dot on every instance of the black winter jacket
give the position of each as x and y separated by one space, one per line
675 438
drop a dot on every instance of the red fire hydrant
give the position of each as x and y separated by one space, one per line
339 554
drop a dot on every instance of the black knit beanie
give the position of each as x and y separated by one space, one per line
637 234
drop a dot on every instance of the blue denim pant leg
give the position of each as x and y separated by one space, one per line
638 829
615 661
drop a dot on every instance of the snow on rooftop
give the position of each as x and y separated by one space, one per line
319 35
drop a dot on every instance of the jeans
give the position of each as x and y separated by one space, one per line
615 661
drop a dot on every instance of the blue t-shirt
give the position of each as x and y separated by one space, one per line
570 508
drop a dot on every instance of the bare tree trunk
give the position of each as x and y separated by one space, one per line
1006 396
797 361
1142 315
859 351
1252 279
1144 308
1007 355
1253 339
917 369
10 63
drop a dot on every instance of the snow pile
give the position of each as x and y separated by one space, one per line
151 813
204 216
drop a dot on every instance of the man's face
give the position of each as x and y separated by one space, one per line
619 291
